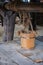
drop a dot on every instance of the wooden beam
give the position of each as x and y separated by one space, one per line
24 7
34 9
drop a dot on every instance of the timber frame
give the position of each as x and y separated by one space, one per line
24 8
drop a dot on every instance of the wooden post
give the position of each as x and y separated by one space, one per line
9 24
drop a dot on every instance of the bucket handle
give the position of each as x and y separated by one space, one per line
27 37
31 23
31 26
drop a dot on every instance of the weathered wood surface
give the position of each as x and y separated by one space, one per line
29 7
9 24
12 54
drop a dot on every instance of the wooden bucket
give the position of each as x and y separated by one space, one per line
28 40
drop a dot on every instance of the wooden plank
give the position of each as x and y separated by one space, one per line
9 52
5 61
16 57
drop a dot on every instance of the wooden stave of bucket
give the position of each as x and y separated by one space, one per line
28 40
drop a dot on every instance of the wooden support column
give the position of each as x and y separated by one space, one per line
9 25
